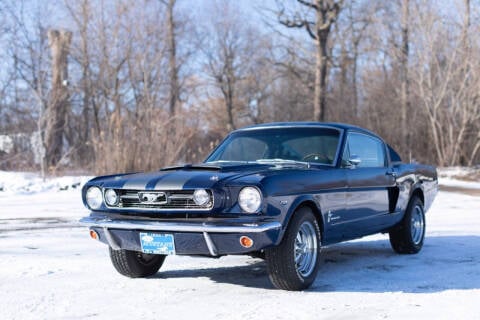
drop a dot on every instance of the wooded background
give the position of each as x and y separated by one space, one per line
122 85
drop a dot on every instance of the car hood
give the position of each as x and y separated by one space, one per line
185 177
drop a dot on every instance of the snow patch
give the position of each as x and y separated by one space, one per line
29 183
60 273
461 177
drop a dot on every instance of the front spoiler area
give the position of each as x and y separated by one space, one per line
205 238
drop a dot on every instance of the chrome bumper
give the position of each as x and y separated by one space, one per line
205 228
103 222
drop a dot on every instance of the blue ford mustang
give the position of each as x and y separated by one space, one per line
279 191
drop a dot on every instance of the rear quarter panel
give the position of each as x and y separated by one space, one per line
416 176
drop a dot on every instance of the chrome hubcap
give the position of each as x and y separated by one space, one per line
417 225
306 249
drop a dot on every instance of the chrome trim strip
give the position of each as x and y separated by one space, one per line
293 125
135 208
126 196
158 210
104 222
111 241
211 246
339 147
181 196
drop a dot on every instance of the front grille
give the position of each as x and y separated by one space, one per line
160 200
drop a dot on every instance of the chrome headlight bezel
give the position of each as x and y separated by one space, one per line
201 197
111 197
250 199
94 197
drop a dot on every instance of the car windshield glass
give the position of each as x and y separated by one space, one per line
317 145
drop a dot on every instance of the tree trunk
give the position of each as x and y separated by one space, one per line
326 13
172 59
404 94
323 80
83 145
319 102
466 23
55 114
229 102
356 44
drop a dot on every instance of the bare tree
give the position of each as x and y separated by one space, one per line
350 38
174 94
318 27
228 50
27 67
147 89
55 114
447 85
404 77
81 13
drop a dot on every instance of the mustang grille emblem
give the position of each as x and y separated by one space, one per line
152 197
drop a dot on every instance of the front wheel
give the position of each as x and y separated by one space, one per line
293 265
407 237
135 264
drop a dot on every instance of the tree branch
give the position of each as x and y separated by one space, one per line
308 4
310 31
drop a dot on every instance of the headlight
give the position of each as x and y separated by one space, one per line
111 197
250 199
201 197
94 197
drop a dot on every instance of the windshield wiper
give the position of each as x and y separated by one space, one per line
282 161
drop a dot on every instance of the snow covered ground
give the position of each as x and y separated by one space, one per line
50 269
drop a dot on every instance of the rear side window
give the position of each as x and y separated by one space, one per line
369 149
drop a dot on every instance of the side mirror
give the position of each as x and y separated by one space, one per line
354 161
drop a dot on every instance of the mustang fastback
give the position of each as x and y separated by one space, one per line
278 191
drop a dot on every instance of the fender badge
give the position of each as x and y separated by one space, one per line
283 202
214 178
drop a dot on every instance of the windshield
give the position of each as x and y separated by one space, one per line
317 145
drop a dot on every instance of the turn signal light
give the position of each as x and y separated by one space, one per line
94 235
246 242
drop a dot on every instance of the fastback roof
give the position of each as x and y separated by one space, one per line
343 126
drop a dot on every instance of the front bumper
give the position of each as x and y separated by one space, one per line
191 238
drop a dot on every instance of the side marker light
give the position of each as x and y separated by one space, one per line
94 235
246 242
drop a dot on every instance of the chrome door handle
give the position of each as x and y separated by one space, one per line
391 173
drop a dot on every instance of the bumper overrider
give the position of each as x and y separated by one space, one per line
212 238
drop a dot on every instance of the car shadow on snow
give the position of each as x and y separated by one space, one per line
253 274
445 263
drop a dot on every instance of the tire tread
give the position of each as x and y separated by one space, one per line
126 263
281 270
400 235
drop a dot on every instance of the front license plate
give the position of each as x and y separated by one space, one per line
156 243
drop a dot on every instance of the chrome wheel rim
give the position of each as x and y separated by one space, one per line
306 249
417 225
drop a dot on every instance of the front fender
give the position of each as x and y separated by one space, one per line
298 202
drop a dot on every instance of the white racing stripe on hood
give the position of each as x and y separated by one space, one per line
174 181
140 182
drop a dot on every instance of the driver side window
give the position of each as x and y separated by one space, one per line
368 149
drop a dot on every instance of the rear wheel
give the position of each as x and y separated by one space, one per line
136 264
407 237
293 265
